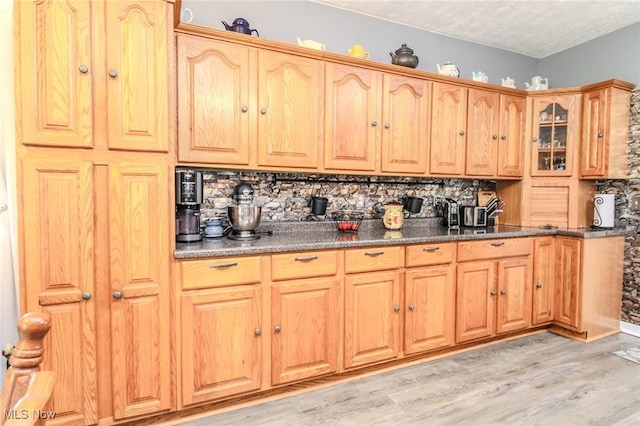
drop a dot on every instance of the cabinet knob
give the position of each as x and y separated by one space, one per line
503 137
245 108
263 111
538 285
117 294
494 137
113 73
386 126
461 132
493 292
534 139
396 309
258 332
374 123
277 329
503 292
86 296
84 69
412 307
600 134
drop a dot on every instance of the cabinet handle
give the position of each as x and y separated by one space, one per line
277 329
305 259
113 73
494 137
534 139
500 244
84 69
503 137
373 253
396 308
245 108
600 134
263 111
503 292
412 307
386 126
117 294
431 249
461 132
258 332
538 285
86 296
374 123
493 292
224 265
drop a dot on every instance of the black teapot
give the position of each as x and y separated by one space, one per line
404 56
240 25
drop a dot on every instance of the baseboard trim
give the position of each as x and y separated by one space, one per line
629 328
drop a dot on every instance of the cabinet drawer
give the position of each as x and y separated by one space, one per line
307 264
373 259
490 249
430 254
219 272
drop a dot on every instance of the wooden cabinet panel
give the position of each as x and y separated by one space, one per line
430 254
372 318
448 137
221 342
514 295
137 89
290 99
544 259
222 272
213 128
373 259
305 321
568 290
429 308
511 144
475 300
482 133
595 111
59 274
405 130
288 266
492 249
352 113
139 247
54 83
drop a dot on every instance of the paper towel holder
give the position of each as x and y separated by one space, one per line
604 210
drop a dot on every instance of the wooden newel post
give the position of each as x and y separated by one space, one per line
27 355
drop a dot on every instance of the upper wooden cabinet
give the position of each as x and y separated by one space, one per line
448 134
556 129
511 136
67 52
482 133
605 130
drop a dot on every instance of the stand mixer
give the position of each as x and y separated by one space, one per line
244 216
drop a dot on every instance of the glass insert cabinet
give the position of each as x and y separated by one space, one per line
554 127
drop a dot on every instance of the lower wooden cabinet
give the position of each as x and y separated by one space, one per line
567 279
221 343
544 282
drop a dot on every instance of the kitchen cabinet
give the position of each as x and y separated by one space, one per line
372 317
511 136
429 297
556 129
493 296
605 130
567 281
483 117
87 84
375 121
544 259
448 134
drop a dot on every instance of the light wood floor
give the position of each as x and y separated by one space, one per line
542 379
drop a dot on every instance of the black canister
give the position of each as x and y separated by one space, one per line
319 205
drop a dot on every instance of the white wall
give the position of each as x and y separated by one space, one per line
8 263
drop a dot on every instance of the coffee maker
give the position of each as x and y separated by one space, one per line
451 214
188 200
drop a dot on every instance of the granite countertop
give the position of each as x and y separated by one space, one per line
281 237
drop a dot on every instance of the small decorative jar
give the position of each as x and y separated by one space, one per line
393 215
213 228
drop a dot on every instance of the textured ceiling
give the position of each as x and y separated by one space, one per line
533 28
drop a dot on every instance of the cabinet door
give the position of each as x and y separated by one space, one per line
511 143
137 82
140 274
221 344
213 101
514 295
594 136
429 308
352 112
304 317
58 258
482 133
54 86
448 137
568 296
289 100
555 128
405 125
372 318
475 300
544 259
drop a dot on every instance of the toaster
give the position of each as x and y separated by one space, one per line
474 216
